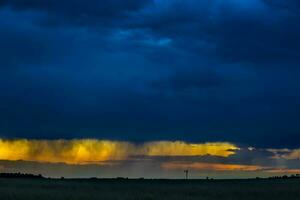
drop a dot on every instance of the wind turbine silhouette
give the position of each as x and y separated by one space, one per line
186 174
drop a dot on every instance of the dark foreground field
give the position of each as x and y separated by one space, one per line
43 189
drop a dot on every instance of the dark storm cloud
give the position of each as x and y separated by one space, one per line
196 80
289 5
249 32
148 70
79 12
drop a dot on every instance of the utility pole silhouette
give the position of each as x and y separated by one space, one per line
186 174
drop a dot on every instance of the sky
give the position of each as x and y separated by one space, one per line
149 88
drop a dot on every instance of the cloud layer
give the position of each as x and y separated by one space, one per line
144 70
158 159
89 151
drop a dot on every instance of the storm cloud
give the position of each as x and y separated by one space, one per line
196 71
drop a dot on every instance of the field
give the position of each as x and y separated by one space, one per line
46 189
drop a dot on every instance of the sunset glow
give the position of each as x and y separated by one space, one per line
198 166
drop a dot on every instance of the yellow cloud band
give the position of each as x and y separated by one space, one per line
84 151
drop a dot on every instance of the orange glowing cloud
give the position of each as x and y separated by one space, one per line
284 171
87 151
199 166
294 154
289 154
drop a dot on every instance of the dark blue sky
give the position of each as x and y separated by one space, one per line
143 70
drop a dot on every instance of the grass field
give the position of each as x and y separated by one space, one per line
46 189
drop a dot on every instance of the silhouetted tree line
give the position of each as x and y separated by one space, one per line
39 176
20 175
293 176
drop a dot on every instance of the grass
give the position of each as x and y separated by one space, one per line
46 189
